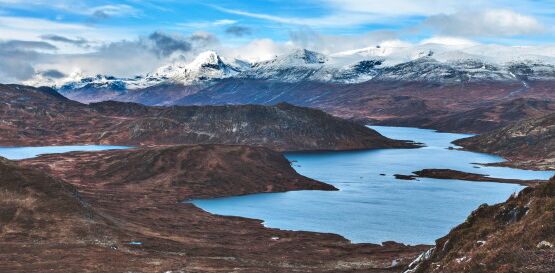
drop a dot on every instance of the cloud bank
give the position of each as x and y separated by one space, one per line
88 37
491 23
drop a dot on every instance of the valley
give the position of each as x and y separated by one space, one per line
130 216
410 212
263 136
161 168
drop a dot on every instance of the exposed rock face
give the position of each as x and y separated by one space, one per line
500 238
528 144
141 190
33 117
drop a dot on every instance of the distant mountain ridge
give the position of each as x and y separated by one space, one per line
428 86
38 116
343 68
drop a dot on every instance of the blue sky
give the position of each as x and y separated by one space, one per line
94 36
277 19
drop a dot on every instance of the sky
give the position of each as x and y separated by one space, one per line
56 38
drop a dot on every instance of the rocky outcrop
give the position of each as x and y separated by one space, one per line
527 144
29 116
514 236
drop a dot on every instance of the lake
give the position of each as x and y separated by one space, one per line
17 153
371 208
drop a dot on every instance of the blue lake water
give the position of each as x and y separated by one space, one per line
373 208
17 153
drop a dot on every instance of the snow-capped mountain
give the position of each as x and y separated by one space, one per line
398 64
306 65
431 63
300 64
430 70
206 67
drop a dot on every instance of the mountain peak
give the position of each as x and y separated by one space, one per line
206 66
310 57
207 59
304 56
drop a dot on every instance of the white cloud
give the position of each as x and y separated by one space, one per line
491 18
115 50
486 23
107 11
206 24
358 12
400 7
84 8
449 41
329 44
34 24
332 20
27 28
256 50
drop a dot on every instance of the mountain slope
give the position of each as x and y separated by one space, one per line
167 83
428 63
491 116
189 171
454 89
206 66
529 143
468 107
515 236
142 191
281 127
32 117
36 206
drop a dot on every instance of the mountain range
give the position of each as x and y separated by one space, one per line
432 64
430 86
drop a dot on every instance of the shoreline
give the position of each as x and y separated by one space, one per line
465 176
148 211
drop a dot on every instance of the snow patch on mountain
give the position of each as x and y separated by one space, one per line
306 65
206 67
391 61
